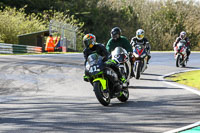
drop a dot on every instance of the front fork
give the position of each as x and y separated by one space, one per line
102 81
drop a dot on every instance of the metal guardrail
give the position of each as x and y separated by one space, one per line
15 48
6 48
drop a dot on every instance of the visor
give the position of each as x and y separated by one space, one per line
140 36
91 45
115 36
183 36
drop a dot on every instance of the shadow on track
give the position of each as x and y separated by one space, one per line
64 114
150 87
151 74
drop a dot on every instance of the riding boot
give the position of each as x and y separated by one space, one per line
132 64
188 54
187 59
120 76
149 57
132 73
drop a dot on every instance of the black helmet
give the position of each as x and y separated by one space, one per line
115 32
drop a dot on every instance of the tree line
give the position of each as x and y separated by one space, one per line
161 20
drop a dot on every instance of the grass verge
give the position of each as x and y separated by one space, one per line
191 78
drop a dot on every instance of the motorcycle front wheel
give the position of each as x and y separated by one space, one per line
124 95
178 60
103 97
138 70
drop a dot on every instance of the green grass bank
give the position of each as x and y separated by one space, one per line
191 78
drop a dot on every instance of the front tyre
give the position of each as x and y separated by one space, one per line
178 60
138 70
103 97
124 95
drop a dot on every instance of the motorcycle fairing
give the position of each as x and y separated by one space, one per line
102 81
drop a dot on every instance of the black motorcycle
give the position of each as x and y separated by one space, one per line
104 81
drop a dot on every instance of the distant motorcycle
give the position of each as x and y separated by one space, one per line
181 54
139 59
122 57
104 81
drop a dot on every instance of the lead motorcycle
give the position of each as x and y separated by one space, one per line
181 54
139 59
105 81
121 56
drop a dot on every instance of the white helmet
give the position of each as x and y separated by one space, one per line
183 35
140 34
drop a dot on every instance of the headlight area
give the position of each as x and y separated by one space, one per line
135 55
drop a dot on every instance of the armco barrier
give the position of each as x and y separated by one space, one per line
15 48
19 49
32 49
6 48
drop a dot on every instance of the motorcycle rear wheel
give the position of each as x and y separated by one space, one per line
103 98
184 63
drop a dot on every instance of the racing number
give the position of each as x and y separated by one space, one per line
93 69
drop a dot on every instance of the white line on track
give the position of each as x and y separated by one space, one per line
184 128
187 88
179 85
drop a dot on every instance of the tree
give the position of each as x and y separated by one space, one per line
15 22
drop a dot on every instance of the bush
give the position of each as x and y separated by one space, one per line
15 22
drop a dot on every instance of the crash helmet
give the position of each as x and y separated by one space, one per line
89 40
115 33
140 34
183 35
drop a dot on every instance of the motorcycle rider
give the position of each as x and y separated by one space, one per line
141 40
117 40
89 41
183 36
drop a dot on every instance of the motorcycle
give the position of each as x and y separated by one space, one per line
104 80
181 54
122 57
139 59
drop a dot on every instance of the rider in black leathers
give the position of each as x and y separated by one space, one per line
91 46
96 47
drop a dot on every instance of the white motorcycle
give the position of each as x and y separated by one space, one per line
121 56
181 54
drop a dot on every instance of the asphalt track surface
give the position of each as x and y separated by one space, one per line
46 93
